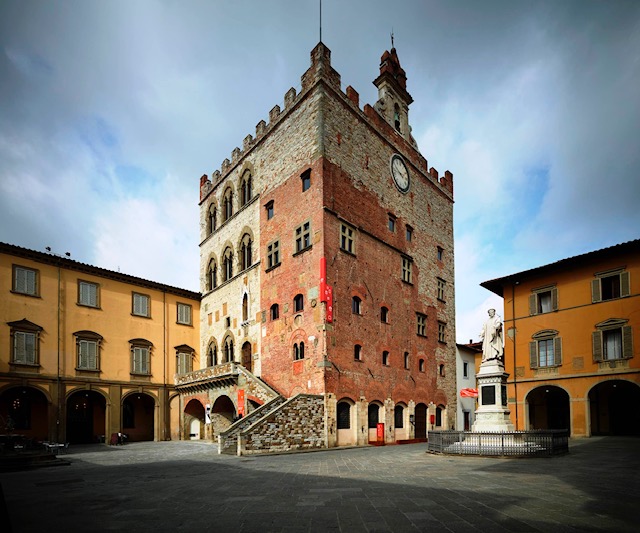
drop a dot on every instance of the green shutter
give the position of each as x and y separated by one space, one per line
557 351
533 300
597 346
595 291
627 342
92 349
533 354
625 284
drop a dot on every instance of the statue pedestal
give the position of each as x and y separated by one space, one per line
492 413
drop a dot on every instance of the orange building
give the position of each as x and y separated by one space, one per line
572 345
86 352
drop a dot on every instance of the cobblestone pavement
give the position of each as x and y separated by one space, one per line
186 486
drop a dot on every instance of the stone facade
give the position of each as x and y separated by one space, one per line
321 168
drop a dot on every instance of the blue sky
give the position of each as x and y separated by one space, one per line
111 111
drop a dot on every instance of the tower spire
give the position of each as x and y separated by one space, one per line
392 46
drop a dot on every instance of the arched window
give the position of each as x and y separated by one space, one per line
246 188
357 352
385 358
245 307
298 303
227 264
212 219
421 365
227 205
298 351
384 314
356 305
439 410
406 360
343 415
398 416
228 350
275 312
441 370
212 275
245 252
212 354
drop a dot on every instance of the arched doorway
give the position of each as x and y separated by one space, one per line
614 408
138 414
375 415
194 420
247 359
421 421
345 422
86 417
549 408
25 410
223 413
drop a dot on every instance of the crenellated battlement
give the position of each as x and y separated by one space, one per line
321 69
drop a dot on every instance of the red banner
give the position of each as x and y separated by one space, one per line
468 393
240 402
323 279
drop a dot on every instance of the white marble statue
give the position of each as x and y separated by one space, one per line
492 339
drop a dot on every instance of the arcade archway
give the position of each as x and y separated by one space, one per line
194 420
615 408
138 416
549 408
25 410
223 413
86 417
421 421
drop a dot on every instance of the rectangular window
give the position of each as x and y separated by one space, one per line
442 285
546 350
422 324
306 180
347 239
611 343
140 362
184 362
442 332
88 294
409 233
357 352
184 314
141 305
406 270
392 223
610 286
273 254
24 348
303 237
543 300
25 280
439 253
269 208
465 369
87 355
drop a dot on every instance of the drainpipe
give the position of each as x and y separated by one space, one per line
513 317
58 384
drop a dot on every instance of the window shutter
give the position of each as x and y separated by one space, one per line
595 291
21 280
92 348
557 349
82 354
533 300
19 347
554 299
625 284
533 354
627 342
597 346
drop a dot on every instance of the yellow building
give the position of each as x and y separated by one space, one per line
572 346
86 352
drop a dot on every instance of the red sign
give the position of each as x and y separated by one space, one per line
468 393
240 402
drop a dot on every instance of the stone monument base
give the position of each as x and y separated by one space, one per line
492 414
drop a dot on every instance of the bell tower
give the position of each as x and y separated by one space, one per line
393 98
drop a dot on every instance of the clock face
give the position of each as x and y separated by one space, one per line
400 173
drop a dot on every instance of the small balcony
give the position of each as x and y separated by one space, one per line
206 378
